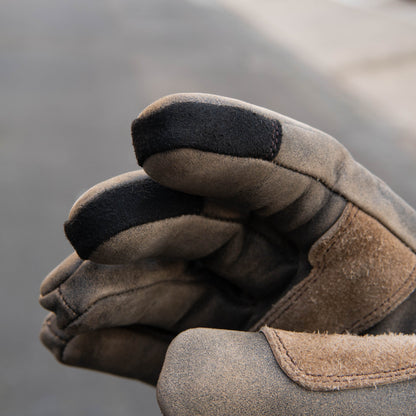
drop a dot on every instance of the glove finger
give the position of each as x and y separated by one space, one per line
223 148
129 352
164 294
219 147
131 217
61 273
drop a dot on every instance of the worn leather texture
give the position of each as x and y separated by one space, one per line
325 362
242 217
223 373
360 273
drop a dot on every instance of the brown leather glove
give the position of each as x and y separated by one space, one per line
247 218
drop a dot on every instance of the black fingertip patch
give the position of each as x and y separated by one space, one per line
219 128
128 205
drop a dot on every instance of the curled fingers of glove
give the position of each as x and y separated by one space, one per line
163 294
135 352
131 218
220 147
355 238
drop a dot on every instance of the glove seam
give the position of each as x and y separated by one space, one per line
304 285
66 304
275 145
61 283
360 324
287 363
366 321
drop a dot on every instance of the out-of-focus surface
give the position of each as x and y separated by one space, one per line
367 47
73 74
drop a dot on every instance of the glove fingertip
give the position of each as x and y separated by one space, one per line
208 123
121 203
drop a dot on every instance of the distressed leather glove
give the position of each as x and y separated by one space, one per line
215 372
246 218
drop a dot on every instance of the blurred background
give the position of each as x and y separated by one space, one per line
74 74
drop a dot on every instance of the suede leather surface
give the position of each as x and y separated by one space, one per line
96 296
302 149
224 373
134 352
327 362
242 217
206 117
360 273
123 210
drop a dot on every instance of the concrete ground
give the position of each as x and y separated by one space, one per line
73 74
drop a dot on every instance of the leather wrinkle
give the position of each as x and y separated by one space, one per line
212 281
159 333
341 195
226 220
250 229
64 341
324 184
49 325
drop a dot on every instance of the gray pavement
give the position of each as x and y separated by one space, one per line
73 74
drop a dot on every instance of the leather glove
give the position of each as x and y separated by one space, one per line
215 372
247 218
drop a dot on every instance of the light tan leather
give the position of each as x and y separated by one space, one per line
324 362
360 273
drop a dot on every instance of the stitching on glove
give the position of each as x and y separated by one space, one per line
306 283
275 145
279 344
350 213
69 276
66 304
365 321
272 318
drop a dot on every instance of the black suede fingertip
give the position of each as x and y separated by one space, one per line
218 128
120 208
